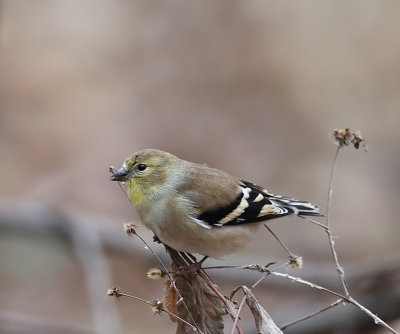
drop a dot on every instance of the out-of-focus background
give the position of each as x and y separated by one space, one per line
252 87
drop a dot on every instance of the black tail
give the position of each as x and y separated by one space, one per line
295 206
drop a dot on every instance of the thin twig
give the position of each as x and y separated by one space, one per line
377 320
168 274
347 299
314 222
279 241
254 267
122 294
336 303
328 230
235 323
268 272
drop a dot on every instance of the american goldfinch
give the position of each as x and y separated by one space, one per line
197 209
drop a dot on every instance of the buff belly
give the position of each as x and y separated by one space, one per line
215 242
174 226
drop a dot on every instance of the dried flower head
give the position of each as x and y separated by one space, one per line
130 229
342 137
357 140
155 273
345 137
296 261
157 306
114 292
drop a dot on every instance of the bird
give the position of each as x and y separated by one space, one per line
194 208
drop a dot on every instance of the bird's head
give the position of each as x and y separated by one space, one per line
146 173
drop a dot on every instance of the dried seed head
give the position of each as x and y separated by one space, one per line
114 292
342 137
296 261
155 273
130 229
357 140
157 306
345 137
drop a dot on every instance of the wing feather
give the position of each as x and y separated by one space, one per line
219 199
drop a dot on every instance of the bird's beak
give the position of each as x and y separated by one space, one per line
120 175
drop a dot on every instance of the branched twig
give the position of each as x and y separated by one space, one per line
295 260
130 230
251 267
377 320
343 298
347 299
279 241
328 230
314 222
310 284
267 272
156 305
235 322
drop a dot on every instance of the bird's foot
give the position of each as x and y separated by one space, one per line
156 239
192 269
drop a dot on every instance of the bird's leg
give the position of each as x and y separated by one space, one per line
193 267
200 263
156 239
191 256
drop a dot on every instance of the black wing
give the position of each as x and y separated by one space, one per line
256 204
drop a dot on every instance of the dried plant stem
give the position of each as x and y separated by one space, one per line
279 241
377 320
209 282
328 230
169 276
162 309
336 303
312 285
314 222
330 188
235 323
347 299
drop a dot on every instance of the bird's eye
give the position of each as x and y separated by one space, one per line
142 167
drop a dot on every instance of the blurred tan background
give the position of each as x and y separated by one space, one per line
251 87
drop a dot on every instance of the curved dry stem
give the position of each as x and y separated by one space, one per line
161 309
328 230
169 276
